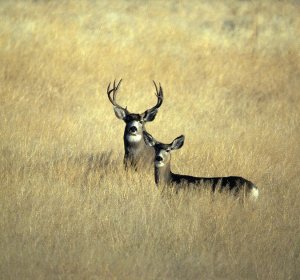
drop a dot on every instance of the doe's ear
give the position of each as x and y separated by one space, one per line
177 143
149 115
120 113
149 140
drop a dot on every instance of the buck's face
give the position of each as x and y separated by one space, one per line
134 127
134 124
163 151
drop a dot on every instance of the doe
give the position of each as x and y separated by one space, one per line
137 153
164 175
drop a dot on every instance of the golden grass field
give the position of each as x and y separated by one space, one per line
230 71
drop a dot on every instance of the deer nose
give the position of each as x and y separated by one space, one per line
133 129
158 158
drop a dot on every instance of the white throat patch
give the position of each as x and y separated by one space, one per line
131 138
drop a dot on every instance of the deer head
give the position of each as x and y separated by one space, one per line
162 151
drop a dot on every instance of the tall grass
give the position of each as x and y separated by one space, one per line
230 73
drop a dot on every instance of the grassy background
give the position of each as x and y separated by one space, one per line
230 73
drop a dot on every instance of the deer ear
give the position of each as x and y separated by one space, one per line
148 138
149 115
120 113
177 143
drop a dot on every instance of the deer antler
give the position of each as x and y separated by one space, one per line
160 97
113 91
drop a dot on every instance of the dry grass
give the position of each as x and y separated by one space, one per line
230 72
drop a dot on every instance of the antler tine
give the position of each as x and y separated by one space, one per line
160 90
155 88
108 88
114 91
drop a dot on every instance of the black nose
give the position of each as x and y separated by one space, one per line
133 129
158 158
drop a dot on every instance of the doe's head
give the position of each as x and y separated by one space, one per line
134 122
162 151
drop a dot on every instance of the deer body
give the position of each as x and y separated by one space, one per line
233 184
136 152
164 176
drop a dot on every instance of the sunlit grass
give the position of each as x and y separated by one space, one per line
230 74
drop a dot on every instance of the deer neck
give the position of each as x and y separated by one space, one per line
163 174
136 151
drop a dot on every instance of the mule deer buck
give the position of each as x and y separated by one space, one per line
164 175
137 153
